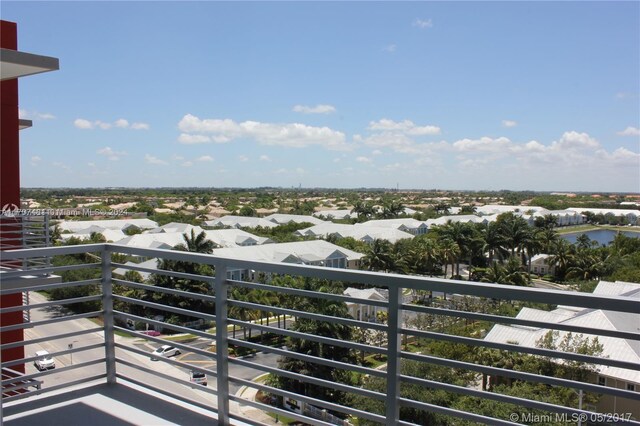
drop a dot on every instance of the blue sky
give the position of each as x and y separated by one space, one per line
450 95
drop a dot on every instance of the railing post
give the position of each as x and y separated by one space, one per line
222 344
107 306
394 323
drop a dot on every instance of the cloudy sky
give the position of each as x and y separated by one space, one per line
450 95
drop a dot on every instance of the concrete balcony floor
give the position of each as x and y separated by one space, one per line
102 404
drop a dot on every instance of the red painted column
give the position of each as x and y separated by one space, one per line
10 185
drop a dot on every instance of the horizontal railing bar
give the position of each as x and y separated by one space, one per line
167 308
455 413
50 321
165 272
589 359
587 300
507 399
49 338
160 358
312 337
178 345
162 289
151 371
520 375
22 385
12 273
173 395
529 323
53 371
309 358
307 315
25 286
54 251
178 328
46 389
54 303
27 360
306 399
309 379
308 293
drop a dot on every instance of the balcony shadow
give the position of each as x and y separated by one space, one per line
103 405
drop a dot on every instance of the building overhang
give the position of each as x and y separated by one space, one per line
24 124
14 64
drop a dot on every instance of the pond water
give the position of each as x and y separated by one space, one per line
602 236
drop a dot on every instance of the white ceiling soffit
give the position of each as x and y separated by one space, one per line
14 64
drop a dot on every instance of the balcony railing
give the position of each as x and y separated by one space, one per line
112 358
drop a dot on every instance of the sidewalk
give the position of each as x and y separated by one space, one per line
248 411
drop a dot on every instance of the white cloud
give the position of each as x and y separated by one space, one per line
363 160
405 126
110 153
293 135
61 165
91 164
34 115
81 123
154 160
122 123
390 48
205 159
177 157
422 23
187 164
265 158
318 109
102 125
509 123
482 144
630 131
36 159
575 140
140 126
189 139
376 152
243 158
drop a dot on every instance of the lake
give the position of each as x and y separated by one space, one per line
602 236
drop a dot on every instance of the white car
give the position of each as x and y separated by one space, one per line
164 351
198 377
44 361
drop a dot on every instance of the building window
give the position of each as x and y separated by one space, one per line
602 381
631 387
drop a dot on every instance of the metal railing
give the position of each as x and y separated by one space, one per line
26 231
295 291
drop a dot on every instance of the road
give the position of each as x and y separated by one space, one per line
92 354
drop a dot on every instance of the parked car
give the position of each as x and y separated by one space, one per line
44 361
198 377
164 351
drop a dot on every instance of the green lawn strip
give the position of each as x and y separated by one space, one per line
586 228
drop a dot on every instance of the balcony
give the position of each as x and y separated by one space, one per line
104 373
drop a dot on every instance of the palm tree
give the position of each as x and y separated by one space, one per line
196 243
461 234
561 257
494 241
364 210
516 232
379 256
450 253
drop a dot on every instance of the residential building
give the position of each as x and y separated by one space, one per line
412 226
240 222
283 219
80 226
365 311
612 348
365 234
540 265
